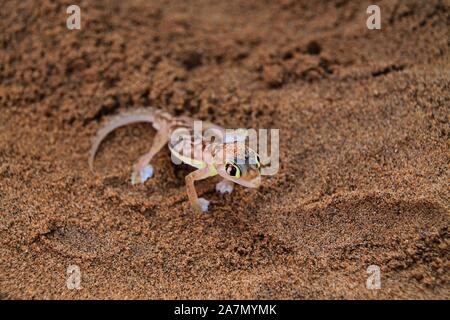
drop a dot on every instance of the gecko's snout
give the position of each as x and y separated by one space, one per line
256 182
250 183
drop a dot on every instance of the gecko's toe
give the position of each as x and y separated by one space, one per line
225 186
142 175
203 204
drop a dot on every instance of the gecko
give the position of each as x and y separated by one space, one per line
230 157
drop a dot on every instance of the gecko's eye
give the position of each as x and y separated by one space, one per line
233 170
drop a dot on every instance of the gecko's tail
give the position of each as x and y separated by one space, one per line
123 119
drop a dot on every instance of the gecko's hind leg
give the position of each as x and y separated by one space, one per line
143 170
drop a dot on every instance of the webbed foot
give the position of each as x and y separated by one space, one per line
203 204
225 186
140 176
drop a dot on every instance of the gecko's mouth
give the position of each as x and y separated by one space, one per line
254 183
249 183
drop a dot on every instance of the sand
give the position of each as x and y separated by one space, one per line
364 149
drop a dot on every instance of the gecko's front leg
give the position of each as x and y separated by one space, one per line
225 186
200 205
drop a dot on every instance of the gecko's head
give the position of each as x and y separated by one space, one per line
239 163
